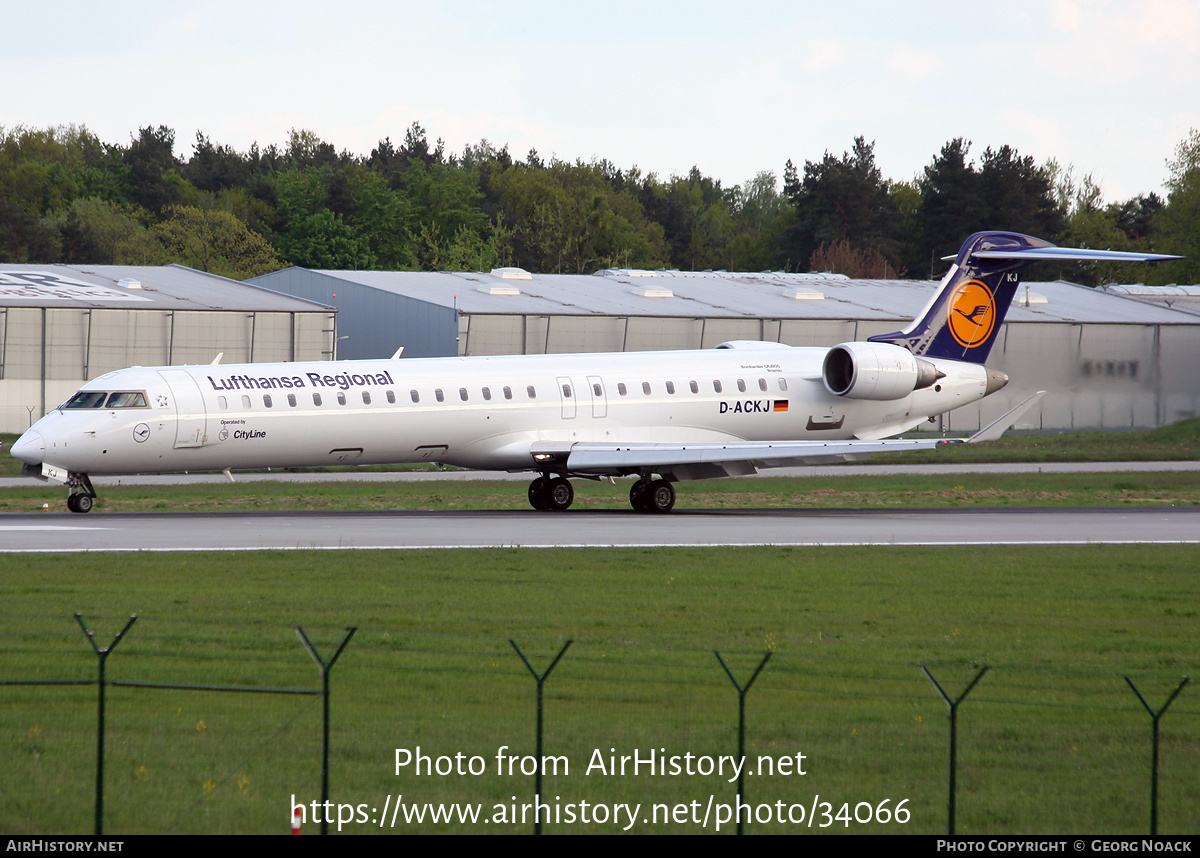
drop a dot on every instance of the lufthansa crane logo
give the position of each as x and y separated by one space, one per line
972 314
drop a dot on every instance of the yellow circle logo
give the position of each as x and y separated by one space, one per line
972 313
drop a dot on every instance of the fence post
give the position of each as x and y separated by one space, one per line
325 668
1155 717
103 655
953 704
742 727
541 682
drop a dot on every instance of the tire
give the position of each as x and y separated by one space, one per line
83 503
539 494
660 497
637 495
560 494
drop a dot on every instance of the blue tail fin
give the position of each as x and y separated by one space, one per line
964 317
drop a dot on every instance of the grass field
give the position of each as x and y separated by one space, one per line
962 490
1052 739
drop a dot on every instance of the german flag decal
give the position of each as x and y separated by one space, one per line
781 404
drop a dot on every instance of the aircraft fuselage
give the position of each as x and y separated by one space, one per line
474 412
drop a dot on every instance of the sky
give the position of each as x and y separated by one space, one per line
734 88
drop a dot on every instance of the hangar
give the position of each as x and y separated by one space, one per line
63 325
1107 359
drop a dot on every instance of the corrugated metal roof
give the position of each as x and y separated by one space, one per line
1140 290
1183 298
771 295
162 287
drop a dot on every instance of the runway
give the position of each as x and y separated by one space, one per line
437 475
130 532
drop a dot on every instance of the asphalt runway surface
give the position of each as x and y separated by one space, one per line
113 532
847 470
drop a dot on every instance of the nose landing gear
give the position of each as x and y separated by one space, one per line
82 494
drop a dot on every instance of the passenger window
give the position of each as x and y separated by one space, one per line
416 397
742 385
438 395
716 386
596 388
782 383
223 402
671 387
621 389
532 393
646 387
508 393
462 394
762 384
341 398
566 391
267 400
316 399
391 397
695 387
487 395
366 397
245 401
292 400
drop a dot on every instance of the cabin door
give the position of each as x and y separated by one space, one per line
191 417
599 396
566 395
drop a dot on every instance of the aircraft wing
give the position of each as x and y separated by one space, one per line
740 458
702 461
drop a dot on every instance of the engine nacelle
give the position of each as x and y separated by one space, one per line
875 371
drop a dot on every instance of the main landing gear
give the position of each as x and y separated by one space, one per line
646 495
82 494
550 492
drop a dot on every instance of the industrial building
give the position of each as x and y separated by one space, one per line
1108 360
63 325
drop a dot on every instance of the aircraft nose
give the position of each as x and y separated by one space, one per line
29 448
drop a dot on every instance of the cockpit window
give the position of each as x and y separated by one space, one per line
127 400
86 399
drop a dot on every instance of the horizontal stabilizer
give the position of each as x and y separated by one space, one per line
1064 254
964 317
994 430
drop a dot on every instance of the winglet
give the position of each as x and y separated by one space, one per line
217 359
994 430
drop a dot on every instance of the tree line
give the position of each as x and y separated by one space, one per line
68 197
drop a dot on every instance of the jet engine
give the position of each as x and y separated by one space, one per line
876 371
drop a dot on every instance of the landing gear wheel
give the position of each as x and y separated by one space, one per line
79 503
71 503
660 496
539 493
648 495
560 493
637 495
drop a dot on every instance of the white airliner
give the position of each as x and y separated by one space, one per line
661 417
